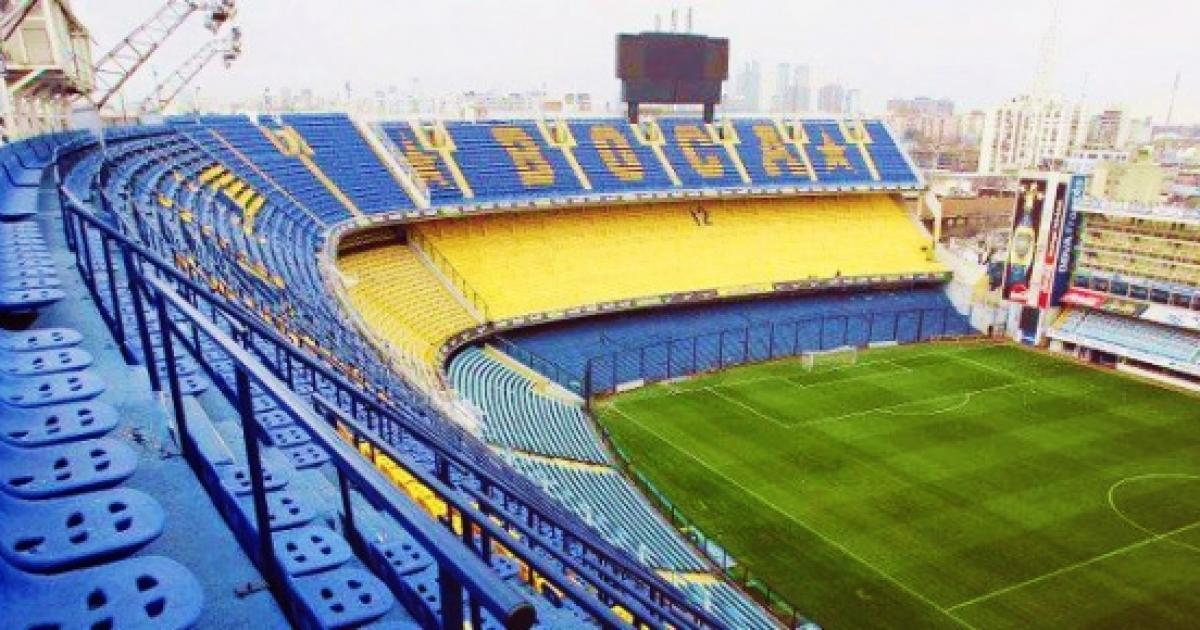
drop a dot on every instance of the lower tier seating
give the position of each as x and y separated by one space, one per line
608 503
400 298
534 262
518 417
683 340
1145 340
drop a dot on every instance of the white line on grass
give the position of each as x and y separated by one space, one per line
747 407
780 377
1112 502
1071 567
791 517
985 366
886 408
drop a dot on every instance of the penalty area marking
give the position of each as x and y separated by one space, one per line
747 407
1112 503
791 517
887 409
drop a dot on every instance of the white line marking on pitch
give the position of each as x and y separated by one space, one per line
676 390
801 523
1112 503
1071 567
886 408
747 407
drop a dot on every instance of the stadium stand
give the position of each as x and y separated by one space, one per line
342 153
519 417
510 159
1146 341
614 159
833 158
220 229
1138 254
430 165
682 340
399 295
551 441
92 503
612 506
768 156
891 163
696 156
267 280
651 250
523 161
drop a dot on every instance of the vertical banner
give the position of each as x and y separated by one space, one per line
1066 242
1023 243
1046 267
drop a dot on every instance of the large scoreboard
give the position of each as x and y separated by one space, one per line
671 68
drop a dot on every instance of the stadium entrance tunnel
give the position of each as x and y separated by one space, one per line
1161 505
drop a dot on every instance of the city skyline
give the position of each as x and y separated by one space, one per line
935 47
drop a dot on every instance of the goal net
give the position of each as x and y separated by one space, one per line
829 359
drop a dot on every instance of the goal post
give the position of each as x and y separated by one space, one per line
828 359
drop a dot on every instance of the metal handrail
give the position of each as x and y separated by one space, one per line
609 563
498 597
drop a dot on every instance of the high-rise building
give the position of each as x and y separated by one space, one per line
831 98
1031 132
802 86
793 91
747 88
853 101
1109 130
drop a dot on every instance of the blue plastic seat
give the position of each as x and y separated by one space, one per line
146 593
44 362
17 300
38 340
56 423
344 597
403 556
22 176
17 202
31 282
49 390
288 436
52 471
236 479
58 534
306 550
307 455
13 272
285 509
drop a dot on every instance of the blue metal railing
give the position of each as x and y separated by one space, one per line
150 279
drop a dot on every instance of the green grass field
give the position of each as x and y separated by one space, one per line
938 486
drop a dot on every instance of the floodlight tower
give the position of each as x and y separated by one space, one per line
229 48
130 54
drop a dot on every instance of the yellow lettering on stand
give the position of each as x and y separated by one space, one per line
526 155
691 138
616 153
775 155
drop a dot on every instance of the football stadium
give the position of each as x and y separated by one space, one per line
666 369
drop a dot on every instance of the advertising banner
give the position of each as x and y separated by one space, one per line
1022 245
1068 237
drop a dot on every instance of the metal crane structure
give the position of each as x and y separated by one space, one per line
228 47
45 64
116 67
12 13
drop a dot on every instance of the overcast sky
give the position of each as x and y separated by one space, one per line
976 52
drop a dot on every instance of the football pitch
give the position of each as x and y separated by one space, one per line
964 485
